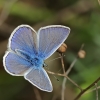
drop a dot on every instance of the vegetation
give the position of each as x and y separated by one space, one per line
83 17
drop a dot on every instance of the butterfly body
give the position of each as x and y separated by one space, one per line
35 60
27 50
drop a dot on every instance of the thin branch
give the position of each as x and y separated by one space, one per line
71 66
6 10
91 90
67 72
37 94
66 77
99 2
96 91
62 62
84 90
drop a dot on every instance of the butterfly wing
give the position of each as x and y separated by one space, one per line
14 64
24 38
50 39
39 78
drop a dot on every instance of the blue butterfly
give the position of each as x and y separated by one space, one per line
27 50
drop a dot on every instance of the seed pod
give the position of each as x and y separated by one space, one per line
81 54
62 48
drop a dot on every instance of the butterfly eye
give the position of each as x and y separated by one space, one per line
44 64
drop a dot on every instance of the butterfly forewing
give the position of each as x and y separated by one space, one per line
24 38
50 38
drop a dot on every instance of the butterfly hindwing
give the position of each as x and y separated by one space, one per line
39 78
15 64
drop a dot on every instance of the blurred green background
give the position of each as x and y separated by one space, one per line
82 16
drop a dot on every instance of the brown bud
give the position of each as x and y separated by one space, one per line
62 48
81 54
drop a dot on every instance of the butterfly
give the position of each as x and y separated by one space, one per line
28 49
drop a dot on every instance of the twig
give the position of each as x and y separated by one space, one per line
62 62
96 91
67 72
6 10
37 94
99 2
84 90
66 77
91 90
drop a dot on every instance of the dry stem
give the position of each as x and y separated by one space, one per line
67 72
84 90
96 91
37 94
66 77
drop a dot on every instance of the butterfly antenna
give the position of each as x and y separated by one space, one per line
56 58
53 60
53 75
59 70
